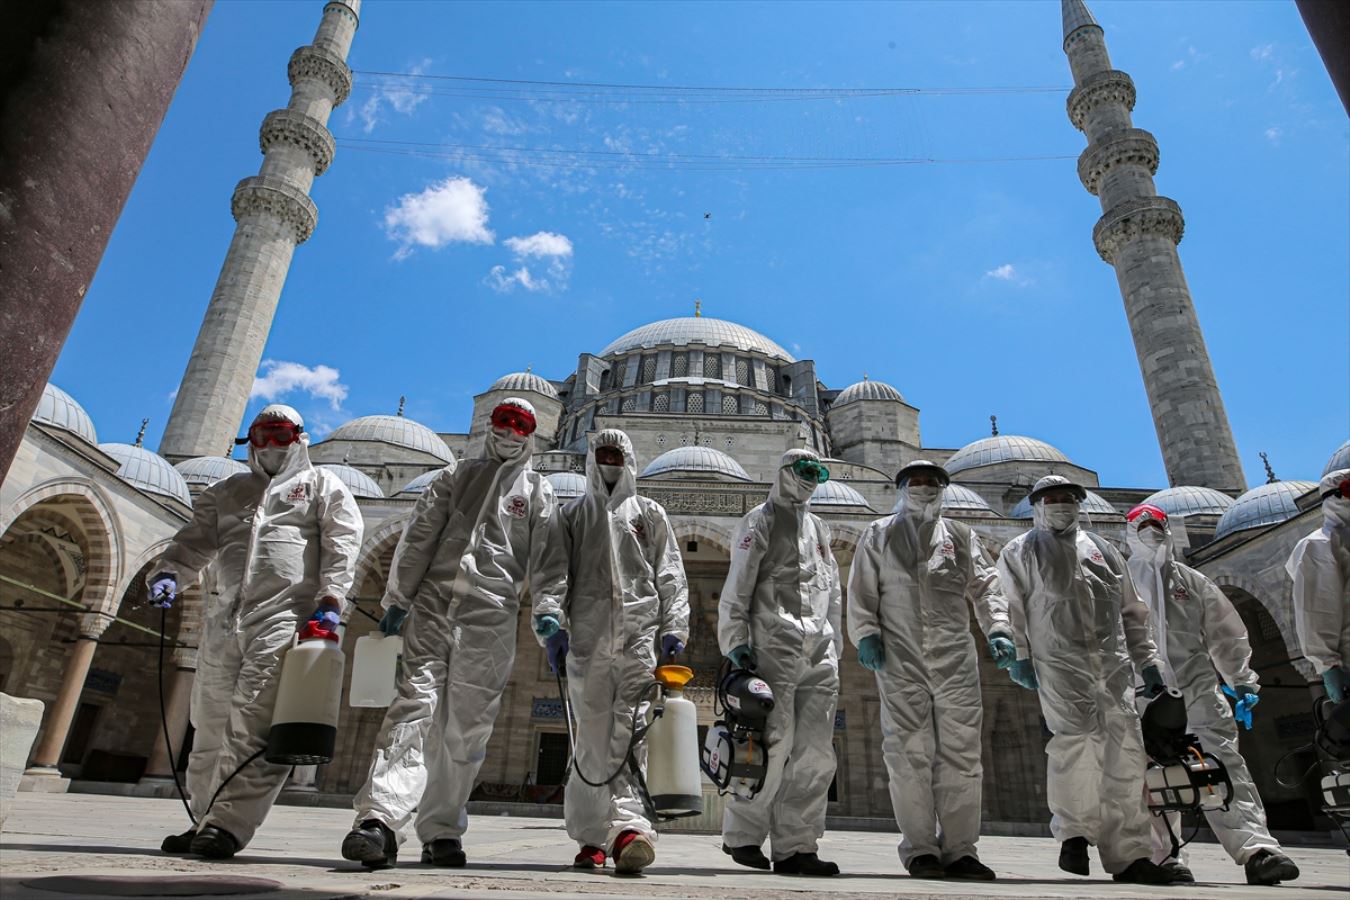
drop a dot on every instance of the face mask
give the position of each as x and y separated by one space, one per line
1336 510
506 445
923 494
271 459
610 473
1151 537
1061 515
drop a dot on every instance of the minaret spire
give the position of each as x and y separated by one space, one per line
1138 234
274 213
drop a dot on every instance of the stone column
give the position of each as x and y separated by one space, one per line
176 705
62 711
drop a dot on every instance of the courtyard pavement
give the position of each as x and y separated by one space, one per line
64 845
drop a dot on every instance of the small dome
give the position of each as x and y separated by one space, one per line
419 484
148 472
567 485
960 499
836 493
696 330
59 410
1002 448
1339 460
394 430
694 461
518 382
868 390
358 482
1093 505
1190 501
207 470
1264 505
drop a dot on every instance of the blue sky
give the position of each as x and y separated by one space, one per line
973 287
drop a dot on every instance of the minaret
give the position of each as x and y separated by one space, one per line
1138 233
273 213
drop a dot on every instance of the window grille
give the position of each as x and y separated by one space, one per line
730 405
772 375
661 403
648 369
712 365
759 408
694 402
742 371
679 365
629 403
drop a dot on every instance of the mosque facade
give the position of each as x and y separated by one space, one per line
710 406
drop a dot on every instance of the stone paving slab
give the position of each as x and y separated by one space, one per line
86 835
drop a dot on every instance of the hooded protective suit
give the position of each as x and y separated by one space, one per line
626 591
1320 567
1199 631
782 597
478 533
280 544
911 578
1074 613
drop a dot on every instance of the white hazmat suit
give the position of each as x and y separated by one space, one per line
281 543
783 598
1320 567
478 534
1074 613
911 579
626 591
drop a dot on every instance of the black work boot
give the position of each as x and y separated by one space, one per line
970 869
749 855
214 843
1178 872
925 865
447 853
373 844
1073 856
1270 867
805 864
178 843
1143 871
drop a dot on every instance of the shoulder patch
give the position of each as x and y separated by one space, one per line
746 542
298 493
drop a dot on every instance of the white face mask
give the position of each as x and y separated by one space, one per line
610 474
923 494
1336 511
272 459
1151 537
1061 515
506 444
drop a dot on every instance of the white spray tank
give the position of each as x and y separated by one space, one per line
375 663
673 779
304 721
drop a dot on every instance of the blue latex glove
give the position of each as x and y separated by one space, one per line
1246 699
163 590
392 621
1337 683
1002 649
671 646
327 616
1023 674
546 626
872 653
742 657
557 646
1153 682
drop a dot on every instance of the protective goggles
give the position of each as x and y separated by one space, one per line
609 456
1147 515
277 434
810 470
514 418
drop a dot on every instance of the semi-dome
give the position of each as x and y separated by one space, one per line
567 485
957 498
207 470
867 390
1339 460
148 472
1267 504
836 493
1002 448
694 461
396 430
1187 500
518 382
1093 505
358 482
697 330
59 410
419 484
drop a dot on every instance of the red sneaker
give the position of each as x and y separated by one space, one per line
589 858
633 852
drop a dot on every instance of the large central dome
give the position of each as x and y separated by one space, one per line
697 330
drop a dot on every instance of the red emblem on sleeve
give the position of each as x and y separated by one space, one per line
298 493
516 506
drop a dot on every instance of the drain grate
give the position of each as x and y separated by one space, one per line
154 885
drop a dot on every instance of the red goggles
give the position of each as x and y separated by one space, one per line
1146 514
514 418
277 434
1343 489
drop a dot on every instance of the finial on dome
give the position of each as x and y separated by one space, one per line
529 368
402 400
1270 473
698 308
140 435
864 376
993 424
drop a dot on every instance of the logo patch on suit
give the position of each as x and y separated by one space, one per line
1182 593
948 549
298 493
639 528
1096 556
516 506
745 543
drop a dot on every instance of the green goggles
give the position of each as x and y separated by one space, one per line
810 470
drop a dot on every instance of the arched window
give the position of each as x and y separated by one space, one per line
771 374
730 405
693 402
742 370
661 402
712 365
648 369
759 408
679 365
629 403
787 386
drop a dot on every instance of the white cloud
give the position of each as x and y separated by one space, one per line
1274 133
276 379
1008 273
501 282
1263 52
1178 65
540 244
451 210
397 94
544 246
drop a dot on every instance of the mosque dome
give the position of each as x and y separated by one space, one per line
358 482
567 485
867 390
207 470
1002 448
1093 505
520 382
148 472
836 493
1339 460
957 498
695 461
696 330
1267 504
419 484
59 410
1190 501
396 430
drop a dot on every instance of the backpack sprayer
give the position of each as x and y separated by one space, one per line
734 755
1331 743
1181 777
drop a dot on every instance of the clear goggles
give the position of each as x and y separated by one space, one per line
810 470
